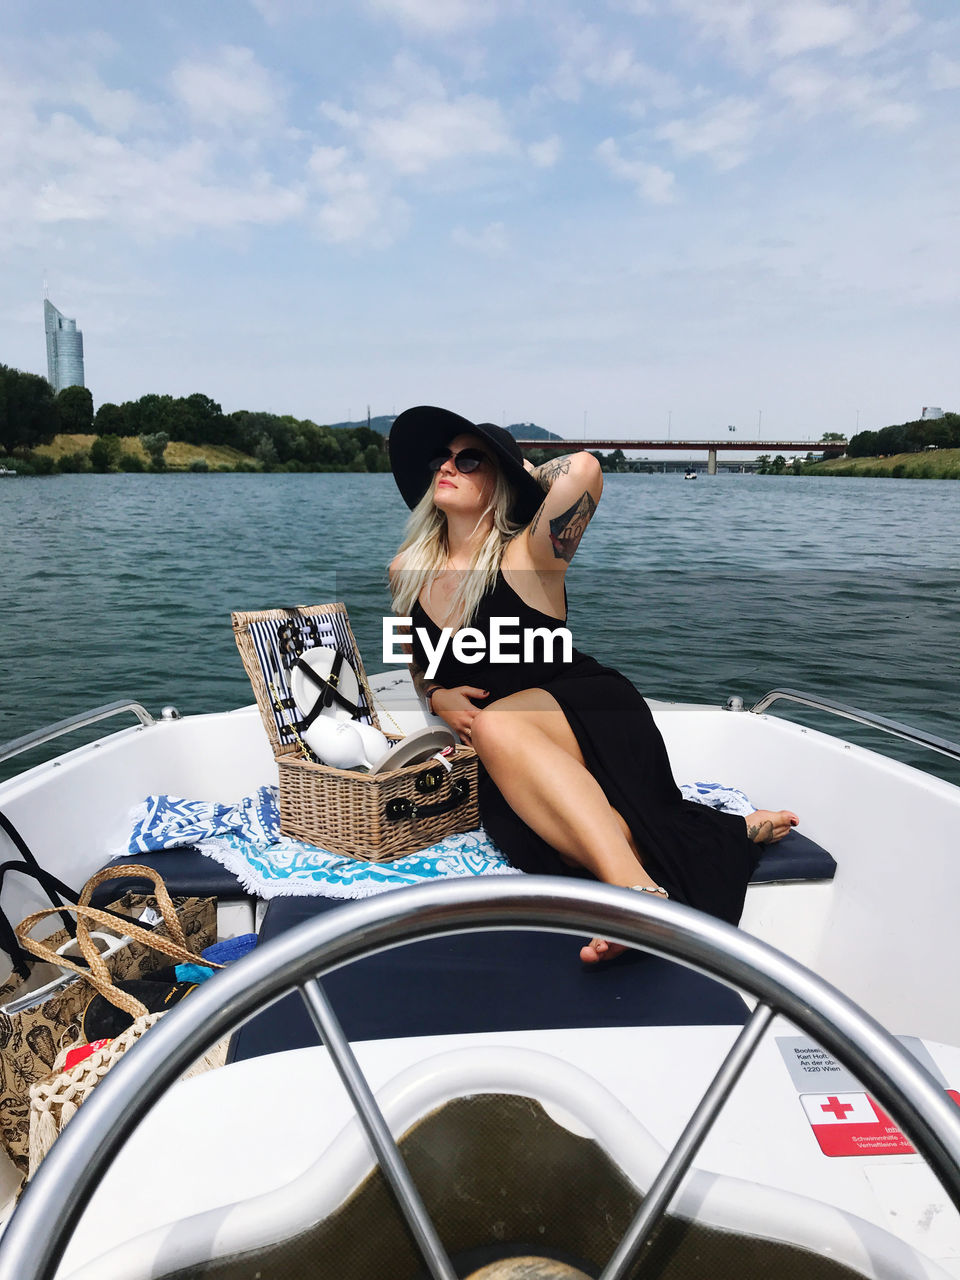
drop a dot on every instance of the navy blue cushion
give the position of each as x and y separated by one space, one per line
509 981
795 857
186 872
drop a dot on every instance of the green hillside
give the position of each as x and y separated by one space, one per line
932 464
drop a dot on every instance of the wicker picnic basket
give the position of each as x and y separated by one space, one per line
372 817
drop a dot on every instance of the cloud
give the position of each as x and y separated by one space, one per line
435 16
723 132
353 207
57 169
429 132
68 82
491 241
799 27
655 185
591 56
116 110
164 194
231 90
943 73
545 154
864 99
754 32
640 8
274 12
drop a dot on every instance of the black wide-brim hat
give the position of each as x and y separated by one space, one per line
419 434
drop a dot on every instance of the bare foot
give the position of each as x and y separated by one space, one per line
598 949
765 826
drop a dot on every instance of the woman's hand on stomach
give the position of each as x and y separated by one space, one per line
455 708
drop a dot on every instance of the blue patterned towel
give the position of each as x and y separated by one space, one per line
290 868
245 838
717 796
164 822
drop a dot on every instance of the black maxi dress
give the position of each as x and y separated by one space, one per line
702 857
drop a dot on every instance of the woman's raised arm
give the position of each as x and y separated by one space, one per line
574 484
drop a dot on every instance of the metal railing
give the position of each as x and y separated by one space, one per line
868 718
54 1200
16 746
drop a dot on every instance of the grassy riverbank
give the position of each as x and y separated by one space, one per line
178 456
932 464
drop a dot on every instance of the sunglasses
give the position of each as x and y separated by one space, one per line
466 461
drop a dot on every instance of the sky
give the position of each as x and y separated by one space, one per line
620 217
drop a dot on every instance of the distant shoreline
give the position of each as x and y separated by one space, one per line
931 464
69 454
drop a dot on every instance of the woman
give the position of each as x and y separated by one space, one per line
574 775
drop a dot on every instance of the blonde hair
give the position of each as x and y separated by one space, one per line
425 548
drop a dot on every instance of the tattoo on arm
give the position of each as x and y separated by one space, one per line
547 472
566 530
536 520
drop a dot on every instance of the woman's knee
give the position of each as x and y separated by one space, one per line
486 730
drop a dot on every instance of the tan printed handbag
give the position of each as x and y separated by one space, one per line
34 1032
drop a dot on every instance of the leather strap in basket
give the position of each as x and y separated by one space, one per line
98 974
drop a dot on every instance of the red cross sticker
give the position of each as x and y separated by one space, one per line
836 1107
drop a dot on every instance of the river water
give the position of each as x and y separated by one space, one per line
123 585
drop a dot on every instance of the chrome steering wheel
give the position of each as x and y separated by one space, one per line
40 1228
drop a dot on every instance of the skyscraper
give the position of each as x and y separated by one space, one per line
64 349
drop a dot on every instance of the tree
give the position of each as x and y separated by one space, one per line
28 411
105 453
763 463
75 411
366 436
865 444
829 437
155 443
265 451
779 465
110 420
205 418
79 461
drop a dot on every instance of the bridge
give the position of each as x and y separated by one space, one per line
695 446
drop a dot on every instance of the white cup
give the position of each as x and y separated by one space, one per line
336 742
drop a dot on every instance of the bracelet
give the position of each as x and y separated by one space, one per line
428 695
651 888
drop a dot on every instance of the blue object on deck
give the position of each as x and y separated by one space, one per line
192 973
509 980
229 949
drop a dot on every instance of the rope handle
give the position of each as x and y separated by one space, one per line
88 949
122 999
131 929
139 872
98 974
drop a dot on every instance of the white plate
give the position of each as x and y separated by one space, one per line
305 692
417 746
